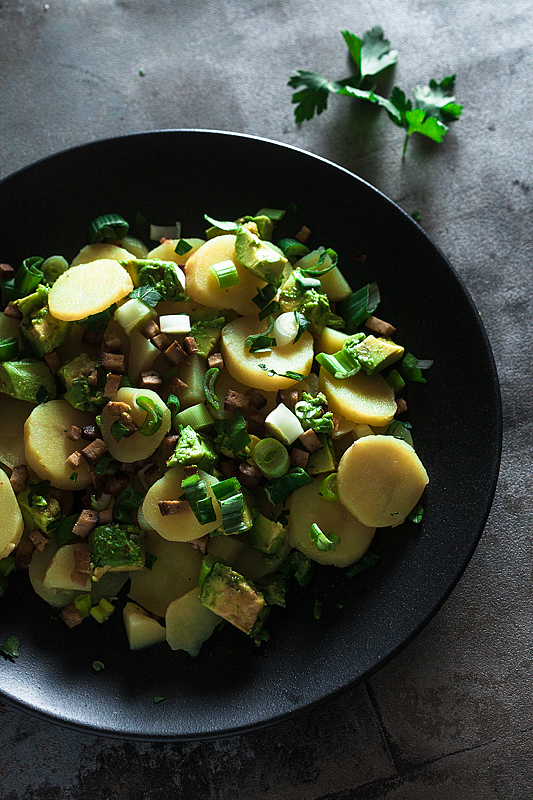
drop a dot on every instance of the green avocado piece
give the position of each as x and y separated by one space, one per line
80 367
322 460
116 548
27 380
267 535
206 333
374 354
232 597
38 510
259 257
43 332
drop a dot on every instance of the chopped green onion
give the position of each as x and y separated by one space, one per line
293 376
195 492
53 267
73 477
182 247
209 383
278 490
232 433
416 514
118 430
108 227
9 349
63 529
175 323
147 294
395 381
173 404
275 214
229 496
286 328
223 225
98 666
10 648
323 541
368 560
154 415
261 342
29 276
102 611
225 273
305 282
83 603
400 430
208 563
272 458
264 295
270 309
128 500
107 465
134 313
293 249
328 488
158 699
331 258
341 365
409 369
197 417
356 308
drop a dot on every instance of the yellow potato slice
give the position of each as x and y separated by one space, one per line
13 415
189 623
330 341
366 399
141 630
60 568
11 522
380 480
95 252
167 250
183 527
47 447
175 572
88 289
244 366
202 286
307 507
136 447
57 598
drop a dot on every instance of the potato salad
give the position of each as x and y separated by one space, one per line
187 431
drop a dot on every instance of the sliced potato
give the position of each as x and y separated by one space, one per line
183 527
60 568
362 398
330 341
254 564
13 415
88 289
136 447
167 250
175 572
11 522
228 548
47 447
40 561
307 506
142 630
380 480
202 285
244 366
189 623
95 252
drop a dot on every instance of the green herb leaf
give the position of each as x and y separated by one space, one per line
158 699
149 560
365 562
278 490
223 225
129 500
74 477
409 369
302 323
107 465
43 395
147 294
10 648
264 295
313 95
118 430
154 415
261 342
294 376
63 529
209 383
416 514
232 433
323 541
182 247
373 54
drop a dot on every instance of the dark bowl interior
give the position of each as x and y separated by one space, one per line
456 418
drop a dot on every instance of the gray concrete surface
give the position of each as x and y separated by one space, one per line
451 717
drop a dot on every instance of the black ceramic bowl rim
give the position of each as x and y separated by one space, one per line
47 702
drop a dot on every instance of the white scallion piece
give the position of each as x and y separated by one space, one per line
175 323
282 424
133 313
104 502
285 328
158 232
425 363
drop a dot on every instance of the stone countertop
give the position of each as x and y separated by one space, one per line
452 715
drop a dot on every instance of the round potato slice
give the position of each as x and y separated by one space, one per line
166 251
14 414
175 572
47 447
182 527
380 480
188 623
138 446
307 506
40 561
202 285
95 252
362 398
244 366
11 522
87 289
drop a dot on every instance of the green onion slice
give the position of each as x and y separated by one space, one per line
302 323
356 308
229 497
272 458
328 488
195 492
9 349
154 415
318 269
225 273
108 227
209 383
323 541
29 276
409 369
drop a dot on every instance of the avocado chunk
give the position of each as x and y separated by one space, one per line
374 354
116 548
267 535
193 449
43 332
75 376
27 380
80 367
38 509
206 333
322 460
232 597
259 257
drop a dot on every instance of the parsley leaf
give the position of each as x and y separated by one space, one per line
147 294
373 54
313 97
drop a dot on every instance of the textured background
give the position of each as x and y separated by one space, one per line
451 716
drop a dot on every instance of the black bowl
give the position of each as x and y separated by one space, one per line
456 417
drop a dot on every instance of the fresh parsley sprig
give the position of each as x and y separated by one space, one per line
433 109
